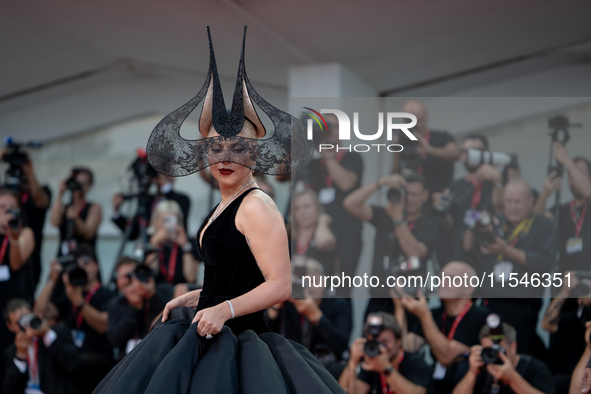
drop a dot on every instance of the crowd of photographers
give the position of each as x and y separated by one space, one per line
463 340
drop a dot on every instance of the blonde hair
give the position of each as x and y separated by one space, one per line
165 206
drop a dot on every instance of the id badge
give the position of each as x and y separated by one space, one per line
439 371
4 273
574 245
503 267
78 338
131 344
326 195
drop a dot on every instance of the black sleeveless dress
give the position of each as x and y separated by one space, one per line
243 358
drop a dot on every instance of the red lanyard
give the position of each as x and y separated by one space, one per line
477 195
385 388
456 322
301 249
33 363
573 214
338 158
89 295
171 264
3 250
24 197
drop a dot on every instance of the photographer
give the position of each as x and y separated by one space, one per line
515 244
449 330
174 256
564 320
503 371
404 238
131 314
333 176
573 229
480 190
322 324
84 310
34 201
165 191
16 246
42 358
79 220
385 367
433 155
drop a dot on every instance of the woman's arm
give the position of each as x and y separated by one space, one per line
262 225
21 248
88 228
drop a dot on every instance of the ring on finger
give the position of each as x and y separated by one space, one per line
208 336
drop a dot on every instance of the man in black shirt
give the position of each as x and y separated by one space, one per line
165 192
333 175
525 246
449 330
404 238
512 373
132 313
433 155
392 370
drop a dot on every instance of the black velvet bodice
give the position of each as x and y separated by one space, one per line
230 267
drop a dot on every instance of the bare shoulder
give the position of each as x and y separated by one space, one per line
258 209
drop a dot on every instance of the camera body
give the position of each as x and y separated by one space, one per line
375 326
15 221
479 222
15 158
396 194
76 275
490 355
143 273
29 320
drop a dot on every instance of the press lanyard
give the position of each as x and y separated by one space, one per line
524 226
385 388
3 249
477 195
33 362
87 297
338 157
457 320
578 223
302 248
171 263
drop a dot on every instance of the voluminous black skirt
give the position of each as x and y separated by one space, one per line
173 358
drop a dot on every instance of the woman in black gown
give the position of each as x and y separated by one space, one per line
224 345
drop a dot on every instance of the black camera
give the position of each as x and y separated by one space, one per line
72 184
15 158
76 275
143 273
490 355
479 222
396 194
15 221
29 320
375 325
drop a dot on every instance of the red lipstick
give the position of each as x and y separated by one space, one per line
225 171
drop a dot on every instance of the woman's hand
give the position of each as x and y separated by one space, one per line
189 299
211 320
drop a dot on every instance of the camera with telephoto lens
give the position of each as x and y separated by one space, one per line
476 157
76 275
143 273
299 271
375 325
490 355
15 221
396 194
29 320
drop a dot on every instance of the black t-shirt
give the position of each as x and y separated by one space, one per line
540 245
315 176
76 239
568 342
170 269
412 368
534 371
574 258
439 173
92 342
467 330
387 253
326 258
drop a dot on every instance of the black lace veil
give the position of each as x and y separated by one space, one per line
285 151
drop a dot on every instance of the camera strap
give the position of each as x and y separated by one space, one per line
522 228
171 263
3 249
33 361
87 298
477 194
457 320
577 219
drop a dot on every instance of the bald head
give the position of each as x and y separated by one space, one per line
457 269
518 200
417 108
